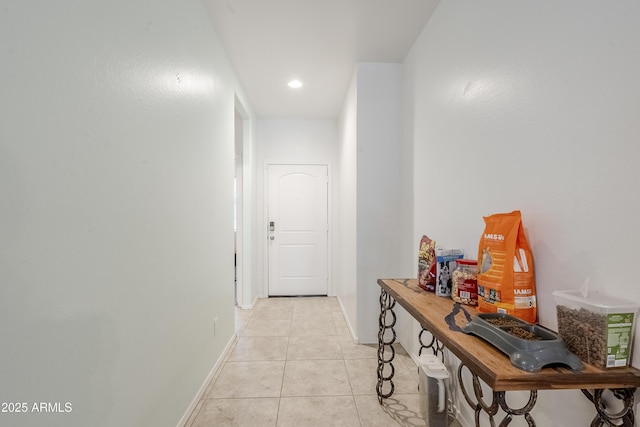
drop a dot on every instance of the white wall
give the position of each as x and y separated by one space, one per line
346 221
383 216
295 141
533 106
375 224
116 177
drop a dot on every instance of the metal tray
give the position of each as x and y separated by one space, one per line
529 347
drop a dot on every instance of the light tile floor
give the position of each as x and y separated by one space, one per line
295 364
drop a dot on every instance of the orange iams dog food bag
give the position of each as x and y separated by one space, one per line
505 263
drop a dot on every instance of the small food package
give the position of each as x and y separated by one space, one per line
465 284
427 264
505 277
445 264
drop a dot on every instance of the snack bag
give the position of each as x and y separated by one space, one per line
427 264
505 262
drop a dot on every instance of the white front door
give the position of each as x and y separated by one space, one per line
297 228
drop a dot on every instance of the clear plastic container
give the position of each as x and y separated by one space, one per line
599 329
432 389
464 284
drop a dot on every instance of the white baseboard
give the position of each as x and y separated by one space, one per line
249 306
346 319
216 367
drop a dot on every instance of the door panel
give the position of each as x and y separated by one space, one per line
298 226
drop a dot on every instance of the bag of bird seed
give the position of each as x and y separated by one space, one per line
505 263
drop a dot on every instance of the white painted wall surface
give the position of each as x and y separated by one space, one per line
374 195
382 231
346 190
116 215
291 141
533 106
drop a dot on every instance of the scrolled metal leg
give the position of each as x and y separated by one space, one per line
386 352
435 345
422 343
524 411
498 401
479 405
623 418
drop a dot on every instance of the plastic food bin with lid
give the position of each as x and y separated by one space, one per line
598 328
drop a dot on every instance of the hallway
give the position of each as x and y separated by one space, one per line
295 364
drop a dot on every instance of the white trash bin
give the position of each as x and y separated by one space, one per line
432 387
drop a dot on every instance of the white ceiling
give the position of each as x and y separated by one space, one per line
316 41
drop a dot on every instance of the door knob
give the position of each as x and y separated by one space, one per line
272 237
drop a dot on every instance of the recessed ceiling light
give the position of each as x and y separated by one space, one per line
295 84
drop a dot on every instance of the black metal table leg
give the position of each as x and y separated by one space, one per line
386 352
435 345
623 418
498 402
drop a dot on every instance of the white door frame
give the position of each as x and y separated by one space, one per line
264 226
239 237
243 143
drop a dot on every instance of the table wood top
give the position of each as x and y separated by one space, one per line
486 361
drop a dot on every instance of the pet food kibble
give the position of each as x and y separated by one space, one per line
524 334
584 332
501 321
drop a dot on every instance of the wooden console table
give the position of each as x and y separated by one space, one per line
443 318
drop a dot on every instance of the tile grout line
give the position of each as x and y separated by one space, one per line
284 369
